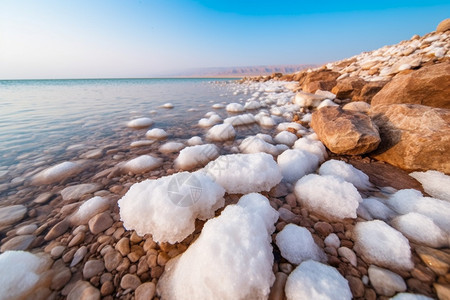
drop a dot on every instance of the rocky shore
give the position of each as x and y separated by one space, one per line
328 183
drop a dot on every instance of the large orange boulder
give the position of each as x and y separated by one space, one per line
443 26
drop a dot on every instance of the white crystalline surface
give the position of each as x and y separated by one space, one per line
435 183
57 173
235 107
377 209
254 144
220 133
89 209
142 164
421 229
382 245
156 133
210 120
245 173
297 244
408 296
285 137
347 172
313 146
314 280
167 207
244 119
20 273
140 123
231 259
171 147
294 164
194 141
194 156
328 195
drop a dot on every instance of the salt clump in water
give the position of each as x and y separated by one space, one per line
312 146
194 156
195 140
156 134
140 123
220 133
235 107
142 164
285 137
89 209
254 144
58 173
171 147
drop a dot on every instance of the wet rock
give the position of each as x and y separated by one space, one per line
130 281
92 154
12 214
58 173
78 256
145 291
43 198
27 229
77 239
77 191
385 282
57 251
277 290
57 230
285 214
100 222
92 268
83 290
21 242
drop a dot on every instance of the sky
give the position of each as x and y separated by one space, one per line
50 39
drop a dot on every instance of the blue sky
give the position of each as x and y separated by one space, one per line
130 38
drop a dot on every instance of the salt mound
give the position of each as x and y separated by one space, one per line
313 280
382 245
89 209
231 259
244 119
435 183
265 121
254 144
297 244
377 209
220 133
210 120
167 207
21 273
167 105
218 106
285 137
245 173
142 164
140 123
235 107
194 156
325 103
171 147
421 229
156 134
57 173
286 125
328 195
408 296
294 164
313 146
347 172
252 105
194 141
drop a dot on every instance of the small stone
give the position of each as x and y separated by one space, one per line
156 272
68 256
100 222
356 286
92 268
136 252
135 238
43 198
123 246
442 291
130 281
75 192
21 242
57 251
77 239
149 244
163 258
291 200
332 240
83 290
124 265
112 260
57 230
436 260
277 290
12 214
323 228
60 278
370 294
286 268
145 291
107 288
331 251
386 282
27 229
152 260
78 256
348 254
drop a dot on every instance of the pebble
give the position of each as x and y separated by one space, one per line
123 246
356 286
442 290
77 239
20 242
332 240
75 192
57 230
112 260
92 268
43 198
12 214
57 251
136 252
436 260
348 254
277 290
78 256
26 229
323 228
386 282
60 278
107 288
100 222
285 214
135 238
286 268
83 290
130 281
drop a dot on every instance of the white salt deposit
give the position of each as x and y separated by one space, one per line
313 146
167 207
421 229
332 240
347 172
285 137
244 119
408 296
220 133
194 141
218 106
265 137
385 282
286 125
377 209
382 245
235 107
156 134
21 273
141 143
297 245
265 121
314 280
210 120
435 183
142 164
254 144
326 94
194 156
140 123
328 195
245 173
306 118
167 105
325 103
294 164
171 147
252 105
57 173
89 209
233 255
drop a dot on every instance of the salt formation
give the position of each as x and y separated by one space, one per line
220 133
328 195
347 172
140 123
385 282
244 119
326 102
210 120
171 147
156 134
265 120
57 173
314 280
421 229
377 209
312 146
194 156
194 141
218 106
252 105
167 105
142 164
245 173
235 107
167 207
89 209
231 259
254 144
285 137
382 245
294 164
408 296
435 183
22 273
297 245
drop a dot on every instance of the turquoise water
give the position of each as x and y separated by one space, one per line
41 119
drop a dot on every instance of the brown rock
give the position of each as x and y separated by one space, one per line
130 281
443 26
83 290
100 222
135 238
123 246
277 290
156 272
77 191
427 86
322 79
107 288
145 291
436 260
57 230
163 258
370 294
60 278
92 268
348 88
442 290
414 137
345 132
323 228
21 242
77 239
356 286
12 214
369 90
112 260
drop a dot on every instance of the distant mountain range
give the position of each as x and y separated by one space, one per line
242 71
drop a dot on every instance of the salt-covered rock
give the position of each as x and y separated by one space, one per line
20 242
347 172
382 245
220 133
294 164
409 296
386 282
89 209
218 106
285 137
142 164
58 172
435 183
209 121
377 209
359 106
194 156
327 94
233 255
285 126
167 105
250 105
12 214
314 280
239 120
140 123
307 99
328 195
421 229
265 121
312 146
194 141
156 134
75 192
171 147
235 107
167 207
141 143
254 144
297 245
245 173
326 102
